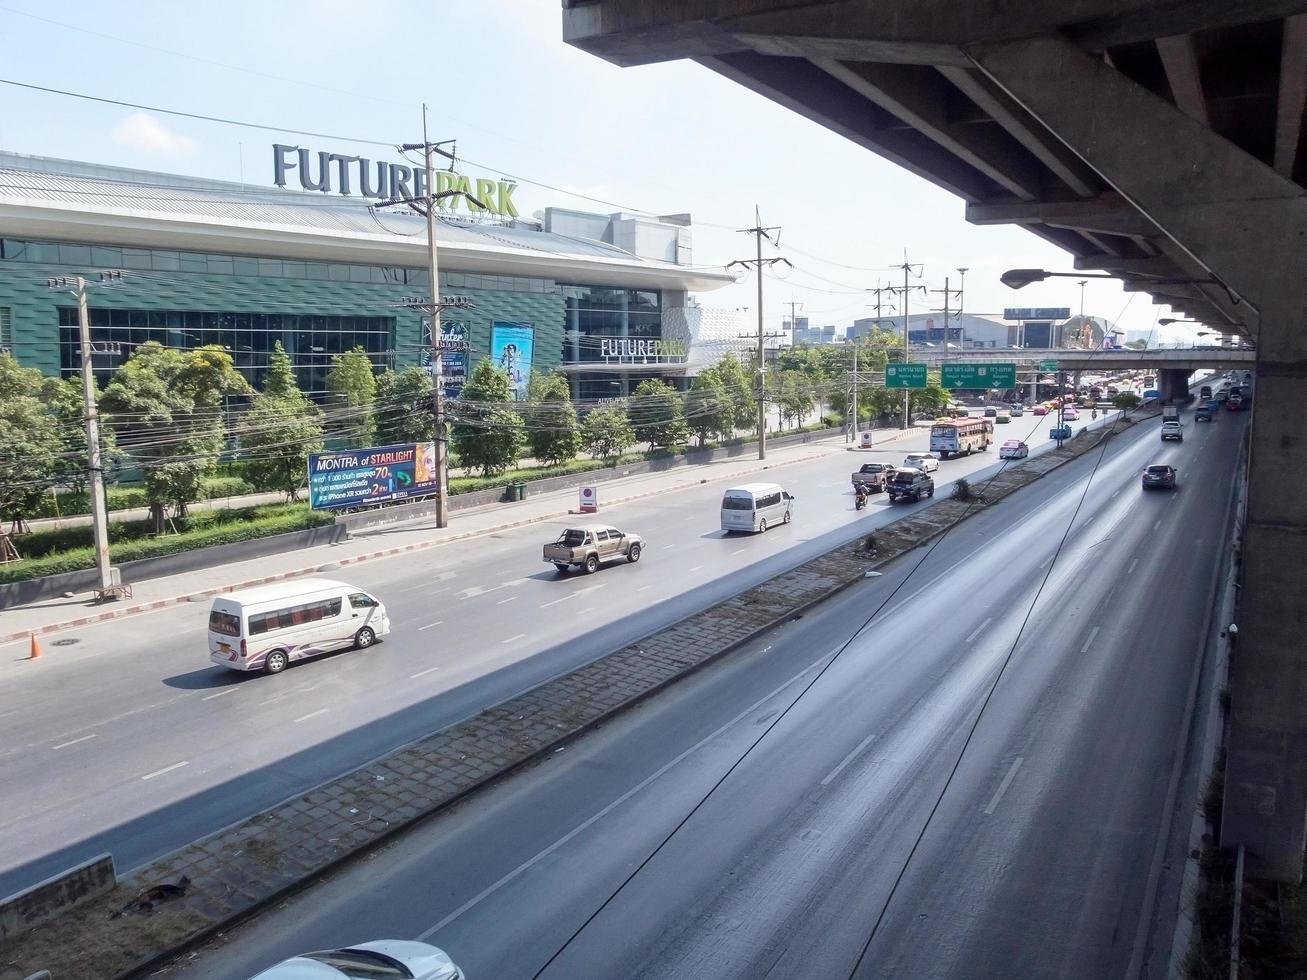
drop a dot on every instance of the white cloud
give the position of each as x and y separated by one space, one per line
143 131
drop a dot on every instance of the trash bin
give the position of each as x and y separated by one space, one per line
519 490
513 492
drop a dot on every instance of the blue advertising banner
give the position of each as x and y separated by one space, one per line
372 476
511 347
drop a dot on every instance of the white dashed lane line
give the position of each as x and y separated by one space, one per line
1002 787
1132 567
84 738
1090 642
514 639
978 630
438 622
830 776
218 694
160 772
423 673
311 714
502 601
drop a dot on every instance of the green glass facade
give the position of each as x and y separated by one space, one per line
186 299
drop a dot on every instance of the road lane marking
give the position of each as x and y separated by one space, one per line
64 745
830 776
570 595
1002 787
581 612
514 639
210 697
582 827
160 772
1115 495
976 632
311 714
511 581
421 673
1048 561
740 551
643 588
667 547
1090 642
1157 523
509 599
1133 564
694 569
438 622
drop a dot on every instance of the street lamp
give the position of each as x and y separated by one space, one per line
962 298
1018 278
1166 321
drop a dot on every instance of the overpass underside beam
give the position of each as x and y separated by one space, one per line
1241 222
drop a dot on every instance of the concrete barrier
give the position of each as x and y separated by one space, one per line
51 898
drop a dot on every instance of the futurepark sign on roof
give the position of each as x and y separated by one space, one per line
327 172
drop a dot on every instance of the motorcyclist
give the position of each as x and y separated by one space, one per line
1093 414
860 494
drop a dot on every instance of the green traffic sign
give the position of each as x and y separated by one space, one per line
1048 365
905 375
978 375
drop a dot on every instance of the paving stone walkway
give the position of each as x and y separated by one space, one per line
234 872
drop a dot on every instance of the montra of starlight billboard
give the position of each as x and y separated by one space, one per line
511 348
356 477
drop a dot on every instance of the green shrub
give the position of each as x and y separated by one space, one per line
245 527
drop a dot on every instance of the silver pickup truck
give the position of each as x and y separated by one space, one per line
589 547
875 475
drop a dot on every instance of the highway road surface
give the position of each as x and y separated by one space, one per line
127 739
754 820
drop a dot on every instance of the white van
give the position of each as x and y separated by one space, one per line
267 627
755 507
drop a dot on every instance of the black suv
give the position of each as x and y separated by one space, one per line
910 485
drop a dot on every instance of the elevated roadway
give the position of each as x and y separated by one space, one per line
1161 142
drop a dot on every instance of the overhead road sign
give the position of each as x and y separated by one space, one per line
1048 365
905 375
1001 375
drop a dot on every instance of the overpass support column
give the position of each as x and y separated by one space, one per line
1174 385
1247 225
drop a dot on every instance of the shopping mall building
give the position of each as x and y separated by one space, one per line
606 298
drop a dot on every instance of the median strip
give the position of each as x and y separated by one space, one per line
235 872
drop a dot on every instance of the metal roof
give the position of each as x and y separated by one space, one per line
68 201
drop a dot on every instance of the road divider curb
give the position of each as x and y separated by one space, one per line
237 871
192 596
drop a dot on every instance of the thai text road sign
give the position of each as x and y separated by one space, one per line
1048 365
905 375
978 375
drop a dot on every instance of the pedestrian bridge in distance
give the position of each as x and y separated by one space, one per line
1078 359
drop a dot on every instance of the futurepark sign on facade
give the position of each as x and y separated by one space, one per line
327 172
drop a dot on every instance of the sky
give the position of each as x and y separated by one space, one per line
496 76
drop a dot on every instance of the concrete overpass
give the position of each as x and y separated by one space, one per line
1188 359
1161 142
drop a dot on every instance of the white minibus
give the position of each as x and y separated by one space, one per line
755 506
266 627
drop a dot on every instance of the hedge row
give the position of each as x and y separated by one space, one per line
130 498
48 541
246 528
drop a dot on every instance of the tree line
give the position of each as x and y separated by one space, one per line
174 414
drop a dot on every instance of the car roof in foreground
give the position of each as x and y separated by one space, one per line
754 488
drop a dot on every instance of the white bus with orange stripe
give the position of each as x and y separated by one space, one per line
268 627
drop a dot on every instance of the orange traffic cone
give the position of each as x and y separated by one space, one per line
36 649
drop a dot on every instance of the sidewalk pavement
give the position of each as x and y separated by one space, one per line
51 615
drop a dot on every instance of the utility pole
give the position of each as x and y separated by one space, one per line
95 464
426 206
947 294
794 319
854 399
758 263
962 323
907 351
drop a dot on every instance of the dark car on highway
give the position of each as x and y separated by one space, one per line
1159 476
